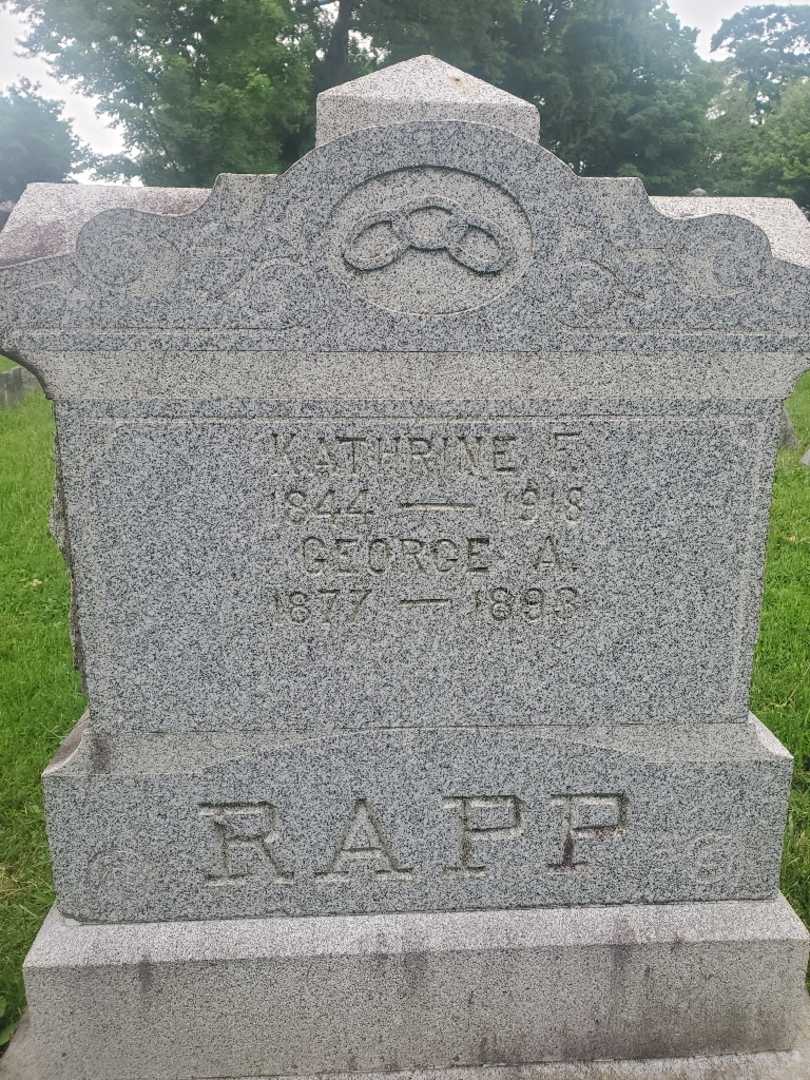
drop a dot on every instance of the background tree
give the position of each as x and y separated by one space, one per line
734 140
780 164
475 37
759 120
37 144
769 46
340 55
229 85
198 88
619 83
623 92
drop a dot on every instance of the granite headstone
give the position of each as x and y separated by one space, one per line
415 502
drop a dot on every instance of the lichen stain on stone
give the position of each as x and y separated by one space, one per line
146 974
99 753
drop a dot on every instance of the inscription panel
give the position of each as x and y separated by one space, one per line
414 572
476 527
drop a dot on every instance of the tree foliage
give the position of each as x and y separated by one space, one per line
207 86
734 141
475 37
759 127
228 85
619 84
197 88
781 163
37 144
625 93
769 46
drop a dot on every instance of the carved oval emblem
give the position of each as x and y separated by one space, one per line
430 241
452 229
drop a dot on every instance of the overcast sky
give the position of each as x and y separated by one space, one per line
704 14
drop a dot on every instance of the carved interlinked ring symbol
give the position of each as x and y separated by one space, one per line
450 236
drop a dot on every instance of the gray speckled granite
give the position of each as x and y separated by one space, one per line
434 236
14 385
424 88
20 1063
228 826
385 993
788 438
271 570
171 383
785 225
47 218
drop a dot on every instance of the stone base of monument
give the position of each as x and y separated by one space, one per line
421 992
19 1063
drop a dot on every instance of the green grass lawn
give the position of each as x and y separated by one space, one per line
780 693
39 690
6 364
40 697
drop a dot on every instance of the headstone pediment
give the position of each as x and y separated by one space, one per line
443 236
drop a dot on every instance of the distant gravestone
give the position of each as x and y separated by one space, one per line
789 440
14 385
415 502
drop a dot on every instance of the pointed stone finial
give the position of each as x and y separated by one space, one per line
424 88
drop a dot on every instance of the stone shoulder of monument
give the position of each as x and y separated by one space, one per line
47 219
442 234
787 228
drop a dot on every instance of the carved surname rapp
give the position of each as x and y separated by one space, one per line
249 838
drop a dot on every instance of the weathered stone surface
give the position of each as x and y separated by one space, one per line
786 227
471 383
47 219
21 1060
399 992
20 1063
806 458
227 827
437 236
424 88
275 570
788 438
